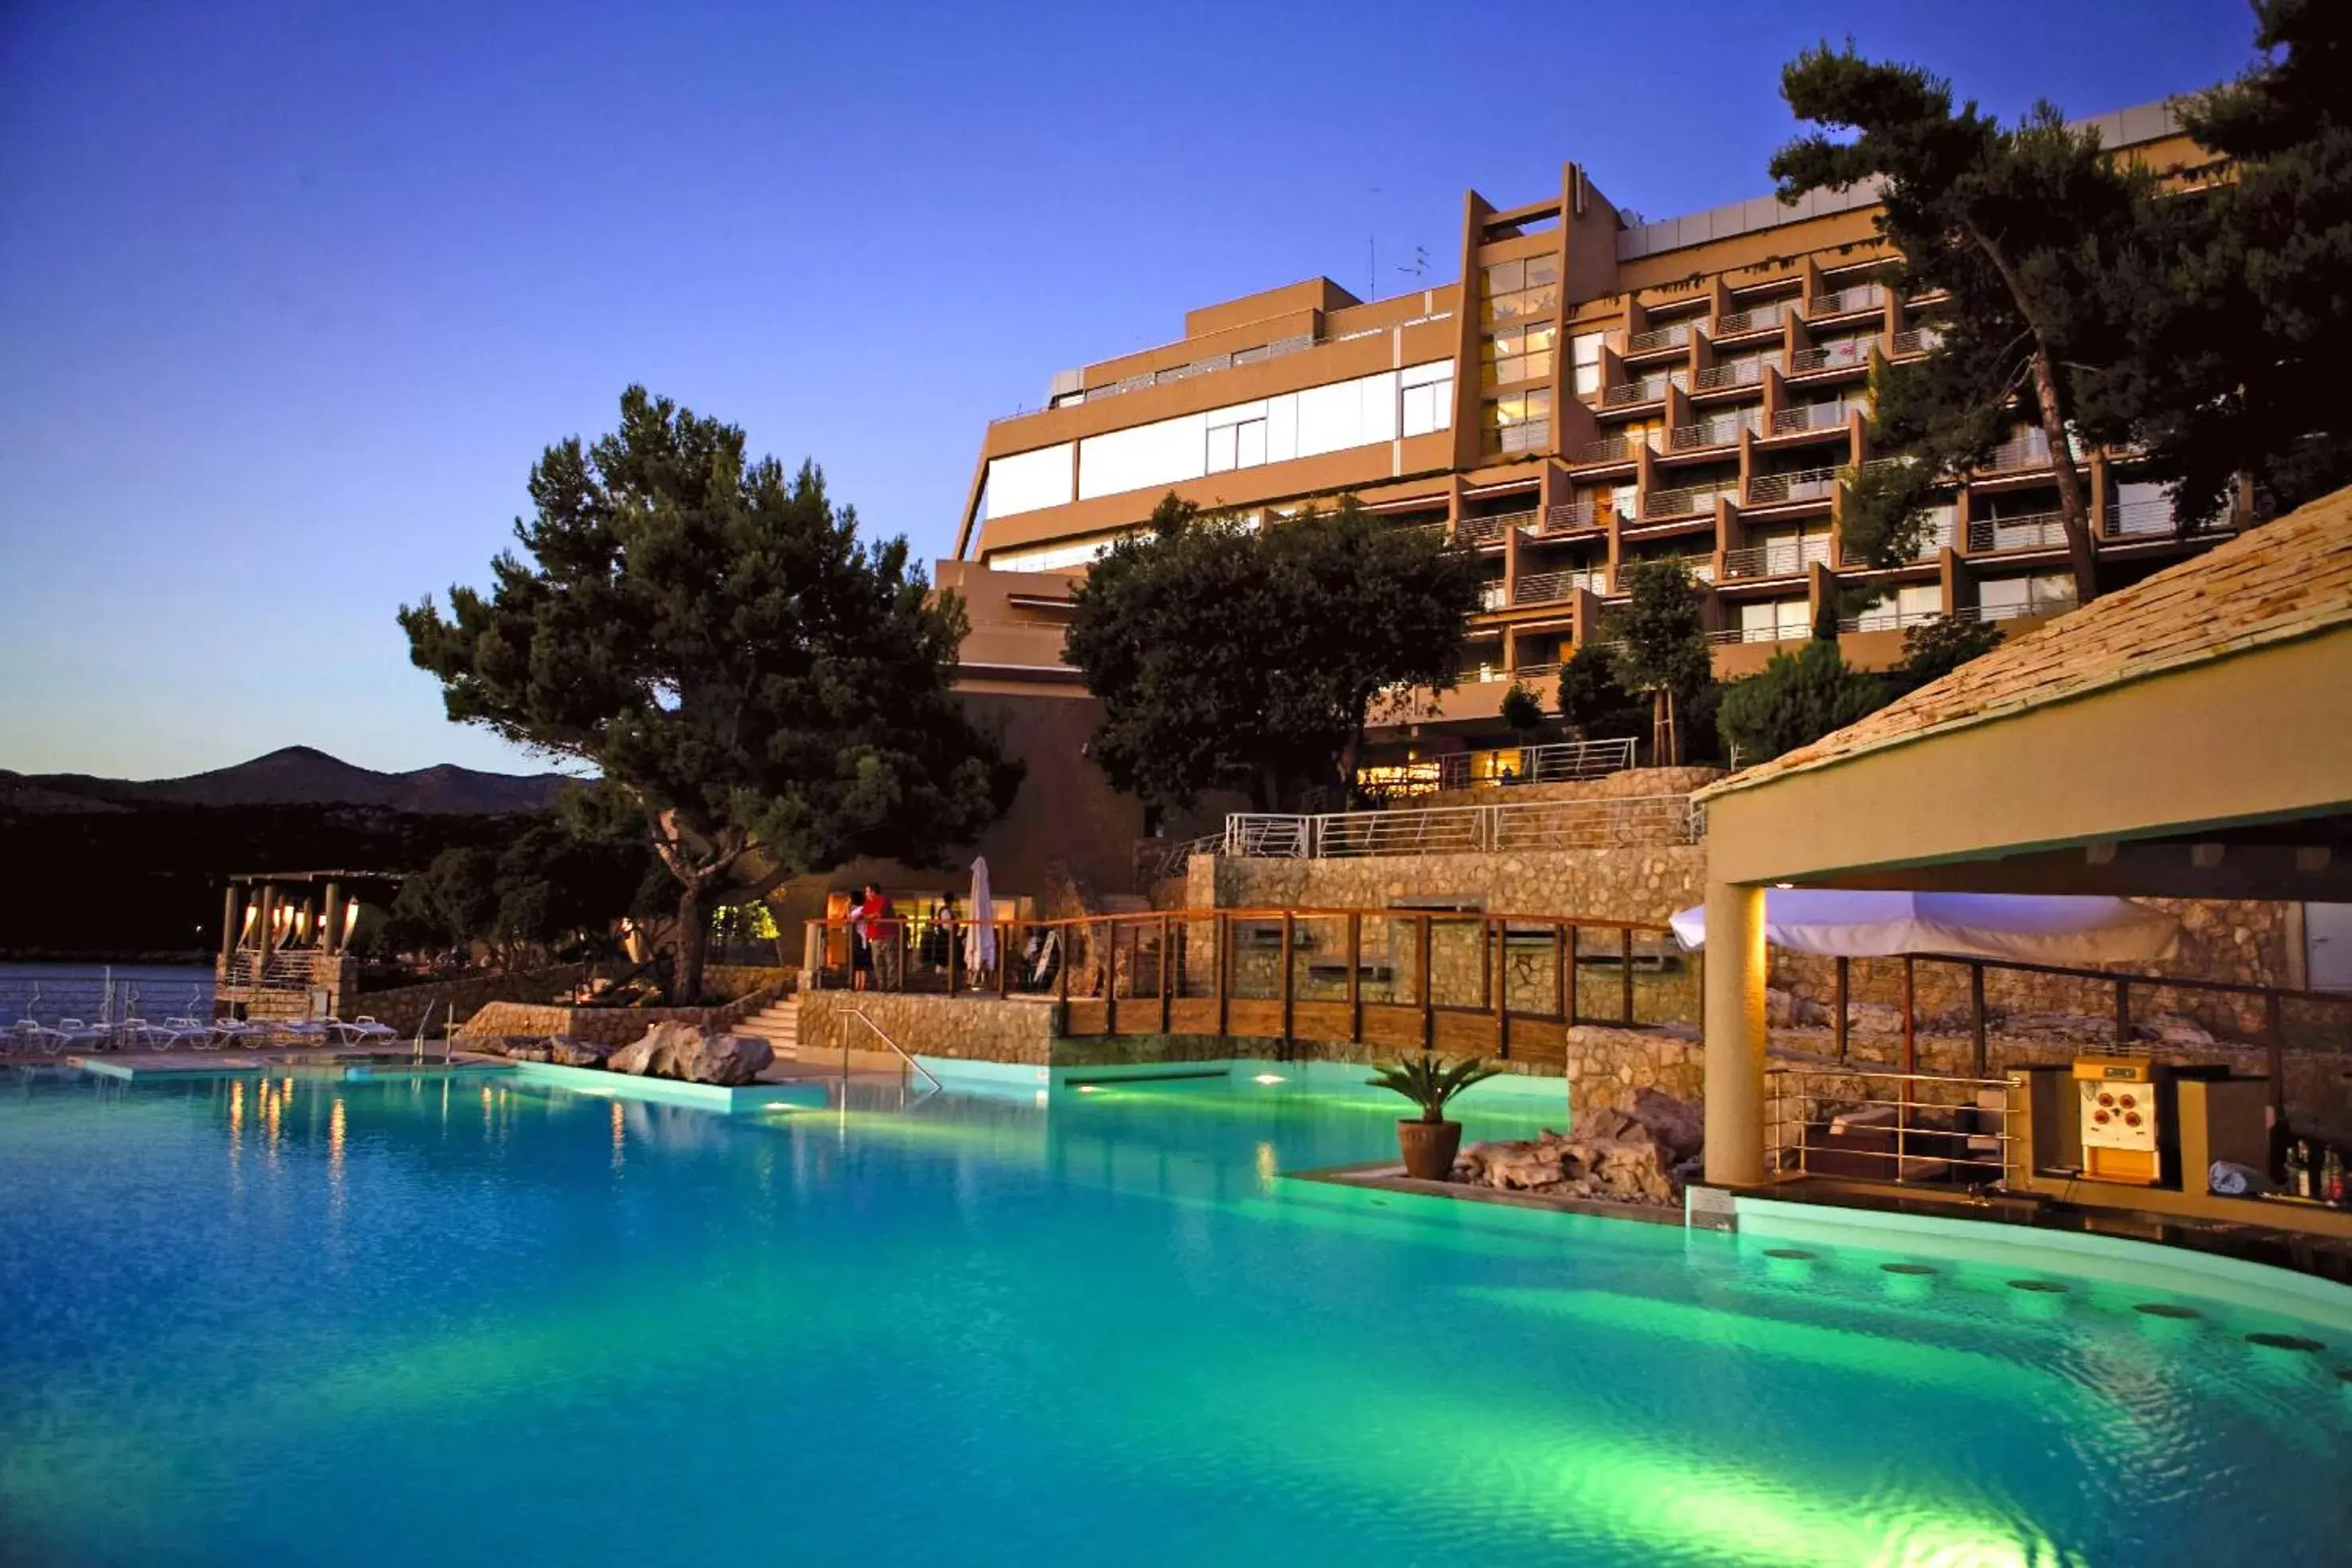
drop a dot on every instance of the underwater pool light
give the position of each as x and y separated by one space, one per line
1270 1078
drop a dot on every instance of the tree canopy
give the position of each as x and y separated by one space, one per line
765 693
1229 656
2019 224
1795 700
1661 650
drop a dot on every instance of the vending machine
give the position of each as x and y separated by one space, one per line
2122 1119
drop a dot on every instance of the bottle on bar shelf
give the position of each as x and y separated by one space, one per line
2299 1174
2331 1183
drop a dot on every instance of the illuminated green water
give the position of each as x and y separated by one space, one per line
426 1321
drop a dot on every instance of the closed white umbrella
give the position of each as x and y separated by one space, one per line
980 936
2057 928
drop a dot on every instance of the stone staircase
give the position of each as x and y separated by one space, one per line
778 1024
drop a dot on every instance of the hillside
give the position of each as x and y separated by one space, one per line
296 776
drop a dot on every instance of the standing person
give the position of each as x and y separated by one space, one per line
861 937
882 930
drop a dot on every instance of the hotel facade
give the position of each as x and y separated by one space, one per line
1595 392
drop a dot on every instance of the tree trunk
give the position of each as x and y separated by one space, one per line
1665 744
2074 509
693 942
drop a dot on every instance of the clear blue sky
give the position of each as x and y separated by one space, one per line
291 294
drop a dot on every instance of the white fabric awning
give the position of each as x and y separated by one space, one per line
2033 929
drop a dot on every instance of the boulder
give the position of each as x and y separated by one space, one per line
1787 1009
577 1053
684 1052
1641 1155
1680 1124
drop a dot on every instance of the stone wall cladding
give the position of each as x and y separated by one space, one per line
968 1028
402 1008
1624 786
607 1026
1646 884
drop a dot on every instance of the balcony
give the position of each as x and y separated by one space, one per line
1777 557
1938 533
2142 519
2035 608
1528 435
1723 430
1812 417
1490 528
1680 503
1845 301
2041 530
1649 389
1659 338
1726 376
1758 319
1774 634
1787 489
1888 620
1608 449
1917 341
1848 354
2027 452
1556 587
1490 595
1572 517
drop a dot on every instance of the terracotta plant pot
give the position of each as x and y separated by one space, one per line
1429 1149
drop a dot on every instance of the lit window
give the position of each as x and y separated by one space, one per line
1519 354
1527 287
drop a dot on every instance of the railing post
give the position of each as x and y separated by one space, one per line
1502 983
1568 989
1287 937
1220 970
1839 1021
1003 959
1910 1044
1355 977
1977 1016
955 957
1428 992
1062 975
1167 1001
1625 969
2275 1038
1111 976
1486 961
2123 1013
1559 976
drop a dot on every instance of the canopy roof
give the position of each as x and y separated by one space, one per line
2053 929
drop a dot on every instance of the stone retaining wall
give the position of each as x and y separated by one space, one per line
1628 785
968 1028
607 1026
1642 884
402 1007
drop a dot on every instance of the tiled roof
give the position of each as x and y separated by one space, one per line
2285 579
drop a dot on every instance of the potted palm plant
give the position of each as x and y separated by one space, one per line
1429 1142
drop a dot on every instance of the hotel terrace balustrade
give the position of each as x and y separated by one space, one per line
1722 430
1777 557
1889 620
1786 489
1812 417
2039 607
1571 517
2041 530
1559 762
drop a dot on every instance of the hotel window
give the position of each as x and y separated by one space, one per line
1776 620
1519 354
1519 421
1584 350
1527 287
1427 395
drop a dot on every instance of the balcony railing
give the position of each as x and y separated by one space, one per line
1608 449
1734 373
1850 353
1528 435
1812 416
1700 568
1554 586
1657 337
2026 451
2044 606
1917 341
1860 297
1758 319
1481 675
1574 517
1783 489
2043 530
1491 595
2142 518
1777 557
1775 633
1888 620
1723 430
1649 820
1677 503
1941 531
1490 528
1649 389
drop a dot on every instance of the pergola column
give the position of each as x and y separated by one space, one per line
1735 1034
230 911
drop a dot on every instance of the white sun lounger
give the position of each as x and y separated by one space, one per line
363 1030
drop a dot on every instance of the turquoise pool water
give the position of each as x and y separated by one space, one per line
441 1321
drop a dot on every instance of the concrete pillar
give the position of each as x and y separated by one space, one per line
230 912
1735 1034
331 927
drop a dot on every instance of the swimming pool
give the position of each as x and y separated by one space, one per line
443 1318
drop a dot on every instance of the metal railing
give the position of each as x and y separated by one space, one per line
1783 489
1779 631
1812 416
1157 859
1723 430
2141 518
1677 503
1552 587
1850 353
2025 451
1575 517
1527 435
1861 296
1490 528
2034 607
1856 1125
1756 318
1888 620
1492 594
1775 558
1608 449
1559 762
884 1036
1670 337
1734 373
2040 530
1919 340
1941 530
1649 389
1646 820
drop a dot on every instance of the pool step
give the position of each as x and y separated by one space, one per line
780 1026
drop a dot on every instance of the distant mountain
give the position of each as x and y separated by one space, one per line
297 776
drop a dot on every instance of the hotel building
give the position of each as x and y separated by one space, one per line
1598 391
